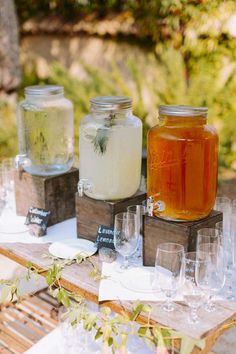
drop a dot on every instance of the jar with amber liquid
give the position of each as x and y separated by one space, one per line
182 164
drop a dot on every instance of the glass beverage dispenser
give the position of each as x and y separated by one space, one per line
46 131
110 149
182 164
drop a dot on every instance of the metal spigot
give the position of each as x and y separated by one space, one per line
150 206
84 185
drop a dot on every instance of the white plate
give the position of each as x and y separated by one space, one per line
140 280
69 249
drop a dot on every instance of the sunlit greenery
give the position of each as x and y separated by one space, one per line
191 60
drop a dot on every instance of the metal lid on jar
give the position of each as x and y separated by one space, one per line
44 90
110 103
183 111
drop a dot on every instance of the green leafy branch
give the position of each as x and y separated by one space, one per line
112 329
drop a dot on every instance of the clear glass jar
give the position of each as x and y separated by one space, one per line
110 149
45 131
182 164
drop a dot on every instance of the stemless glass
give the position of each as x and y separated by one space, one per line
169 270
139 211
209 235
193 262
211 280
126 236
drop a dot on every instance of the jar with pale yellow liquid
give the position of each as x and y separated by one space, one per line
110 149
182 164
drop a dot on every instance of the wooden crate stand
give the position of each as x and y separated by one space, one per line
54 193
91 213
158 230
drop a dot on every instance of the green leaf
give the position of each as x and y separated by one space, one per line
136 312
110 341
98 334
63 297
142 331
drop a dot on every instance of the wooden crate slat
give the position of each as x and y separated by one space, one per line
35 312
5 350
23 324
13 334
12 340
22 331
42 304
27 321
47 298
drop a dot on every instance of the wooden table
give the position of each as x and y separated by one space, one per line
76 278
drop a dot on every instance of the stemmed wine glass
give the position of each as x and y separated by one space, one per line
194 263
126 236
169 270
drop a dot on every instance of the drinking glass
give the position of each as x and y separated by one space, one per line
8 168
209 235
193 295
223 204
2 191
126 236
227 240
139 211
169 270
212 278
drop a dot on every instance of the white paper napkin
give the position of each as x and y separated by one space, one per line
137 283
58 232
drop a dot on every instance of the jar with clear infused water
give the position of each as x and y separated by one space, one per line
45 131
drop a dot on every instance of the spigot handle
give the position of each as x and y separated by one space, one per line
84 185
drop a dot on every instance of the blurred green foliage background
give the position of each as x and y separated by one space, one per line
192 56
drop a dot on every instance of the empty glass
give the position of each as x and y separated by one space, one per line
8 168
193 295
139 211
212 278
223 204
126 236
209 235
169 271
228 240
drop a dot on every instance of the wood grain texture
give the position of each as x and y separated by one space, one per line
157 230
24 324
54 193
76 278
91 213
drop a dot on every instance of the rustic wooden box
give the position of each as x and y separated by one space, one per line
91 213
157 230
54 193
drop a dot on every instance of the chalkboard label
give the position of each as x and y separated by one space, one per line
105 237
37 220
